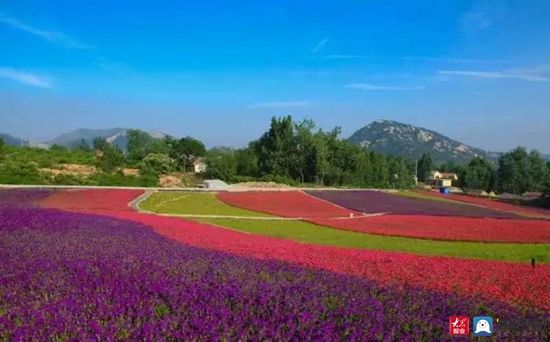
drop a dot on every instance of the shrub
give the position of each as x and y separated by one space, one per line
157 163
21 173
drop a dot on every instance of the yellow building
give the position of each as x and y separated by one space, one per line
441 179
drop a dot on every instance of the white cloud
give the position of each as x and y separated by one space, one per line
51 36
282 104
368 86
525 76
320 46
24 77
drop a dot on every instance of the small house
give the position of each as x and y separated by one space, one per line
199 165
441 179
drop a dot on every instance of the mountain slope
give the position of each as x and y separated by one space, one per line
395 138
115 136
12 141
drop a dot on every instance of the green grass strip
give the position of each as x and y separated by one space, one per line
311 233
192 203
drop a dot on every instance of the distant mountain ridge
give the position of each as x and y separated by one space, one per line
12 141
115 136
399 139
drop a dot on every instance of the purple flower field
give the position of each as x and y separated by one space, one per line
66 276
371 202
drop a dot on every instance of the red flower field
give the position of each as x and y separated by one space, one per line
285 203
447 228
508 282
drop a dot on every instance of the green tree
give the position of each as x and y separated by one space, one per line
328 161
82 146
304 151
56 147
320 157
479 174
157 163
100 144
513 173
185 150
425 166
110 159
275 147
139 144
381 171
13 172
538 171
400 174
247 162
221 163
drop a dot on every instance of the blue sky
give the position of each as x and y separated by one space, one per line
477 71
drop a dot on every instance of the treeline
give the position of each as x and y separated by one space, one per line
291 152
152 157
298 153
515 172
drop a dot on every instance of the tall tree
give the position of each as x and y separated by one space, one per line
400 174
157 164
275 146
82 146
425 166
221 163
185 150
110 159
100 144
303 153
320 157
247 162
538 171
513 173
139 144
479 174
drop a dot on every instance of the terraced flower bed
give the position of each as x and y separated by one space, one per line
310 233
513 283
284 203
493 204
380 202
447 228
193 203
69 276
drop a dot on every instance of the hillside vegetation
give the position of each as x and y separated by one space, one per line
289 152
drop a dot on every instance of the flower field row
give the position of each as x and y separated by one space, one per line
509 282
284 203
382 202
447 228
408 217
70 276
494 204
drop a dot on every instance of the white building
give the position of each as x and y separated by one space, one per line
199 165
